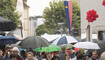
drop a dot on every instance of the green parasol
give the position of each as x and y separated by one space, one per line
37 49
54 48
42 49
51 48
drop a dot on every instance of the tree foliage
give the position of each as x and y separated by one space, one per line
42 29
8 10
56 14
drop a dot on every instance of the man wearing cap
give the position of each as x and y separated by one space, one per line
15 52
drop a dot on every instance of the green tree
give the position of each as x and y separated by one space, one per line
8 10
42 29
56 14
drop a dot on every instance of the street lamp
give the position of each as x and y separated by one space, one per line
62 30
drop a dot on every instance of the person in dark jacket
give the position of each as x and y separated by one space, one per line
13 57
62 54
1 55
23 54
80 56
55 58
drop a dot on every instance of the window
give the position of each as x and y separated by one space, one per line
100 35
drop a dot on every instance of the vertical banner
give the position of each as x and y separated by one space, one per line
67 14
70 12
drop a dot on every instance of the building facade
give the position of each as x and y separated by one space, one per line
34 23
26 18
23 10
98 25
33 26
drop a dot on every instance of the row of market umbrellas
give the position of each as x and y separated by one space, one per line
32 43
37 42
83 45
42 44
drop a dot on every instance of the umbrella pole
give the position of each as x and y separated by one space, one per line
21 30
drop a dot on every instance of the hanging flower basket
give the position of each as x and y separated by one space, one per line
91 15
103 3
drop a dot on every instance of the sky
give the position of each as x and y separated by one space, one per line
37 6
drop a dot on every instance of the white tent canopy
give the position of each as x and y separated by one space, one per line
83 36
65 40
51 37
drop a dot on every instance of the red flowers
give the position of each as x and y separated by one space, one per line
91 15
103 3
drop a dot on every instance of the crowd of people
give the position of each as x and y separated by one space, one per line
13 53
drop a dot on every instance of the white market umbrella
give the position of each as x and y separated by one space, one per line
65 40
87 45
50 37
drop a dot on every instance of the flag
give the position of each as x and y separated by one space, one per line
68 12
